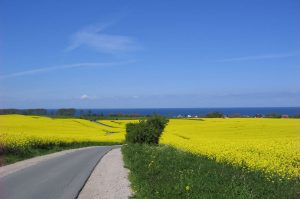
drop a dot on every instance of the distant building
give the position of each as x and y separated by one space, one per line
179 116
284 116
189 116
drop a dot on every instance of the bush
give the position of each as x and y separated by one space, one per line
235 115
214 115
273 115
146 131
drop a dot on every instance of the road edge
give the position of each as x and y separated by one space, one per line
17 166
87 179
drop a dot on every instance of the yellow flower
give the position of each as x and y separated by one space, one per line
18 132
187 188
262 144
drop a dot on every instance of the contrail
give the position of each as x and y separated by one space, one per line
267 56
60 67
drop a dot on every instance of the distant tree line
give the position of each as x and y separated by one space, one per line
237 115
66 112
93 116
214 115
70 112
89 115
39 111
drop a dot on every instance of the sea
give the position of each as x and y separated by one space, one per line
174 112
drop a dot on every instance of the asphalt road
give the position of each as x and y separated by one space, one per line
58 178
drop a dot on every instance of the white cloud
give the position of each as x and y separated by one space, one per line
86 97
259 57
94 37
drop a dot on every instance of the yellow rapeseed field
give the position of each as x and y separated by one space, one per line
269 145
18 132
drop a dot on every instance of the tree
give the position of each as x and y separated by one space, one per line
215 115
66 112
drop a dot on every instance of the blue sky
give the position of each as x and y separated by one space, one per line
137 54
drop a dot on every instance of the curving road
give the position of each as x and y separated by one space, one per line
58 178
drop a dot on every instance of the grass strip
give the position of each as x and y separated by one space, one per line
165 172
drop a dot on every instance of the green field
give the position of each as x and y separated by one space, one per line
166 172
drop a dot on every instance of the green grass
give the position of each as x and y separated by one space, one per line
165 172
11 157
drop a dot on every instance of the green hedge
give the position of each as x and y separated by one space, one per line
146 131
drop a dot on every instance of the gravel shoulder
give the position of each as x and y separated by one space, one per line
109 179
